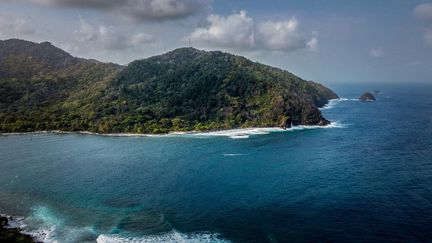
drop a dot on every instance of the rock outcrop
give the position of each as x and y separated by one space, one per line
367 96
12 235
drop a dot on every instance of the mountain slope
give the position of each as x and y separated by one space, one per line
185 89
44 88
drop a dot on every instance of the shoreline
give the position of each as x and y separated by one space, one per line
220 132
14 229
233 133
13 232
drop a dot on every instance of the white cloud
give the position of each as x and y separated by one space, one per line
15 26
80 3
71 48
424 11
86 32
236 30
108 37
142 10
376 52
284 35
239 31
161 9
312 44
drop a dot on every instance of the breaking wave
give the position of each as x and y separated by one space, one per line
334 102
44 226
247 132
232 155
42 234
239 133
170 237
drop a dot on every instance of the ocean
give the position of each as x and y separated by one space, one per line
366 177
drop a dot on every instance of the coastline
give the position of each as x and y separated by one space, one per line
11 232
232 133
13 229
235 133
219 132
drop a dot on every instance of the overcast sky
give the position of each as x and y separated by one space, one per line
323 40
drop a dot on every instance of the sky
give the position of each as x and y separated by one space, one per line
330 41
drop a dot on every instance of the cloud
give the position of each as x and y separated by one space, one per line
282 35
312 44
86 32
424 11
15 26
108 37
376 52
141 10
99 4
236 30
240 31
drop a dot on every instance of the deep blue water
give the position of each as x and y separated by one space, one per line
367 179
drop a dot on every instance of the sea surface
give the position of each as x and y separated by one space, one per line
367 177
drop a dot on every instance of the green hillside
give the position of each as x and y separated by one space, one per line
45 88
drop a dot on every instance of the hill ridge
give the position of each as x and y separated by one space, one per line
181 90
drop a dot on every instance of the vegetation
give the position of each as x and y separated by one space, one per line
44 88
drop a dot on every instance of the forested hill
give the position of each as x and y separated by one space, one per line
44 88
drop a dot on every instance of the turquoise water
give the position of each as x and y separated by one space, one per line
366 178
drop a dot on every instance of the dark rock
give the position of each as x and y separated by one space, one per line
3 221
12 235
368 96
324 122
285 123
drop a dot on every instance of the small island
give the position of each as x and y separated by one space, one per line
367 96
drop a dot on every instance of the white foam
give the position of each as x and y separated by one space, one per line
239 133
303 127
334 102
42 224
40 234
14 222
171 237
247 132
231 155
45 234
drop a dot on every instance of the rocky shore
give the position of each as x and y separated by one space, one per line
12 235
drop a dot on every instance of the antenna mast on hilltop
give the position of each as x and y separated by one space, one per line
189 43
